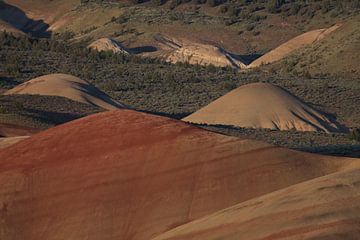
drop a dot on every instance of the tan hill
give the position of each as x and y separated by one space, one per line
129 175
68 86
107 44
263 105
323 208
334 55
290 46
196 53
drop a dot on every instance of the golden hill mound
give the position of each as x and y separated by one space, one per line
292 45
263 105
324 208
66 86
107 44
129 175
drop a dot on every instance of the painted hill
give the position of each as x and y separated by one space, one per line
66 86
129 175
263 105
107 44
292 45
185 51
323 208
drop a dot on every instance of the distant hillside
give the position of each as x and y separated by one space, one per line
338 54
241 27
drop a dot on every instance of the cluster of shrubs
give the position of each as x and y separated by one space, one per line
355 134
289 7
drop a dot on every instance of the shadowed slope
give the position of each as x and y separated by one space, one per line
263 105
6 27
18 19
129 175
323 208
68 86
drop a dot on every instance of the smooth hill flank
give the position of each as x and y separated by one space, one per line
324 208
263 105
107 44
130 175
292 45
68 86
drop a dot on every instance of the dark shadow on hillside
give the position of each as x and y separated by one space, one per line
18 19
331 117
8 82
246 59
51 118
143 49
177 116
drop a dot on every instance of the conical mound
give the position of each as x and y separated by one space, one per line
129 175
68 86
107 44
263 105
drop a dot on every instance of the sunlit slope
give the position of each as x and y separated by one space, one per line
129 175
263 105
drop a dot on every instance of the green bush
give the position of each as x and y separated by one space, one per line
355 134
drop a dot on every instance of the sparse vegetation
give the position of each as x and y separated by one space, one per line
355 134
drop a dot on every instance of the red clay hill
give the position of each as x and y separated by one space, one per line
129 175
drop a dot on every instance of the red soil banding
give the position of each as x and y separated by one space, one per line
129 175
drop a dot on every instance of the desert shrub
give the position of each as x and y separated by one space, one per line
120 19
158 2
199 1
231 21
224 9
250 27
174 3
234 12
273 6
355 134
295 8
228 86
